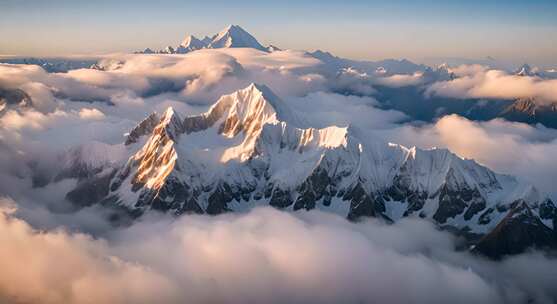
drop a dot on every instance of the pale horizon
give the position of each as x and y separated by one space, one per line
353 29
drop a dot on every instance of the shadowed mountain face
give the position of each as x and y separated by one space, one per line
526 110
14 99
249 149
519 230
414 102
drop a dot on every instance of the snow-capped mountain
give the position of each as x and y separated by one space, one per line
526 70
250 149
233 36
191 43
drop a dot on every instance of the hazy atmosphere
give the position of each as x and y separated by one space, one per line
426 31
249 152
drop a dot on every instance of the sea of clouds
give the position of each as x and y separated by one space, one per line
50 254
264 256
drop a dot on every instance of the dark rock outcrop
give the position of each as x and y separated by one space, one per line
517 232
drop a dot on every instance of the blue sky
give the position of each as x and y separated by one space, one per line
517 31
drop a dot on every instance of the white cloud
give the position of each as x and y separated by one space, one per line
478 82
401 80
57 267
322 109
263 256
91 114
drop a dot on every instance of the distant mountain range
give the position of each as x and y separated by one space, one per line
250 149
52 65
381 67
233 36
430 108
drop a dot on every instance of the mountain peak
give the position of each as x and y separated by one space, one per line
260 92
249 108
169 113
233 36
233 27
245 110
171 123
168 123
262 89
191 43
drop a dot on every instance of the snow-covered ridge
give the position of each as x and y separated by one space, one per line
247 150
191 43
262 124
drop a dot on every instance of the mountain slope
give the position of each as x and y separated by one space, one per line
527 110
250 149
519 230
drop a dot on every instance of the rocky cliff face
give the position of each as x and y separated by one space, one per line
519 230
250 149
528 110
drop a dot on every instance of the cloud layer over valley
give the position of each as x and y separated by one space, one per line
262 256
53 252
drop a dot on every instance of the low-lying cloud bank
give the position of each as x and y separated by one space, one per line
480 82
200 77
264 256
